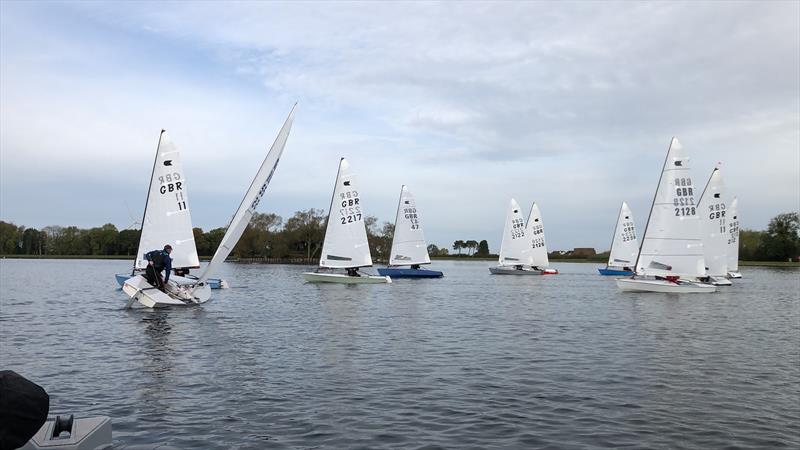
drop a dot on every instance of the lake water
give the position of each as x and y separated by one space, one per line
467 361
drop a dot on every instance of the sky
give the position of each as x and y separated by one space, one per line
570 105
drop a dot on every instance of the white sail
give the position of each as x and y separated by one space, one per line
625 244
672 243
251 199
535 230
515 247
733 236
714 225
345 243
166 216
408 245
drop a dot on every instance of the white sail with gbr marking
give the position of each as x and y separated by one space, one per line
515 247
408 245
714 225
733 236
672 244
166 217
625 244
345 243
538 246
251 199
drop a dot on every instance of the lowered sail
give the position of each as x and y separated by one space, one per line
251 199
625 244
535 230
166 214
515 247
714 225
408 245
345 243
672 243
733 236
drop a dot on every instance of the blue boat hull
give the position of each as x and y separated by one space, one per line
214 283
393 272
615 272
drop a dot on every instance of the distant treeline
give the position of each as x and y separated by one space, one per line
301 236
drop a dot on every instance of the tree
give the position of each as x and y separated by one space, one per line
381 241
458 245
305 231
256 236
433 250
214 237
471 245
750 244
483 248
10 236
128 242
782 239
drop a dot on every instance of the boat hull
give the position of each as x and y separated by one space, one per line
213 283
734 275
396 272
650 285
500 270
138 289
84 434
317 277
615 272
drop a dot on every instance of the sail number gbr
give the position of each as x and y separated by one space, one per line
684 197
171 182
350 211
410 214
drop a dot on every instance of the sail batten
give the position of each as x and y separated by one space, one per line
408 244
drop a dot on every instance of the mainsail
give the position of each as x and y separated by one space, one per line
672 244
625 244
515 247
166 215
408 245
714 225
251 199
733 236
345 243
538 246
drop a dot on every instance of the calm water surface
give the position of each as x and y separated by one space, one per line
468 361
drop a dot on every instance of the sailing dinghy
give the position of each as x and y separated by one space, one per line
624 245
408 244
197 291
166 218
733 239
522 249
345 245
715 230
671 257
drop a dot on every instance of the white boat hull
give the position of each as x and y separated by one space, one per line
502 270
317 277
138 289
652 285
734 275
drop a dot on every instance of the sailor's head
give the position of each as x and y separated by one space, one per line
168 248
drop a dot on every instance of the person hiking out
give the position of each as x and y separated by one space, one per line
158 260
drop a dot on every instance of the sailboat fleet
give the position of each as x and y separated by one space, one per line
686 247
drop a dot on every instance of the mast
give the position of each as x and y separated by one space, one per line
147 199
396 217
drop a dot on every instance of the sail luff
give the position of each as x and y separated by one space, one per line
147 199
251 199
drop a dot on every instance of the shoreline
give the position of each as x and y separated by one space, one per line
313 261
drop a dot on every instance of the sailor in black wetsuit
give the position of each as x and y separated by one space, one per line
158 260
